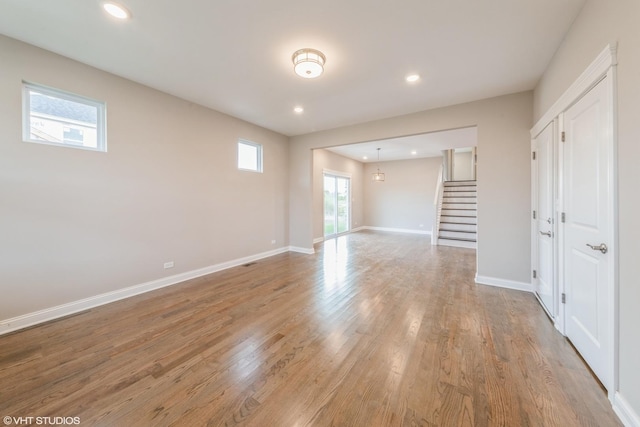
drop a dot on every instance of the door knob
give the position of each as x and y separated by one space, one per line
548 233
601 247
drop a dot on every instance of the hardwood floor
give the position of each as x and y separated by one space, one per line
375 329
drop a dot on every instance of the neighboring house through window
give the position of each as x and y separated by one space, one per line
55 117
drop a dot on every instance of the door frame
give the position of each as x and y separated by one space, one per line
553 311
602 69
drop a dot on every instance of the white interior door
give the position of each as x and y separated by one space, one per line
588 200
544 230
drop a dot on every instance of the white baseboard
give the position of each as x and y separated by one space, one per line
318 240
52 313
625 412
502 283
396 230
306 251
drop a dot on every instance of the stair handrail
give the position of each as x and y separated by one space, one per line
437 206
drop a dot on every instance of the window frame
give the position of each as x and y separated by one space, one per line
259 155
101 115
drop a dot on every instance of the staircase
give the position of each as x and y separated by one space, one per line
457 225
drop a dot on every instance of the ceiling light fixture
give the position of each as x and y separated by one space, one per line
414 152
308 63
298 110
412 78
116 10
378 176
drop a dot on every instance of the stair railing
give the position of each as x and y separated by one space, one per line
437 206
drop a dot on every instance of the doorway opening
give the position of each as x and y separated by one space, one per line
336 205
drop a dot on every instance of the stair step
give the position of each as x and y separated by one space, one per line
460 194
459 200
461 188
458 235
457 243
472 213
460 205
452 226
459 183
452 219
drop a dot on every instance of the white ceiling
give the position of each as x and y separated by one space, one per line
424 145
235 56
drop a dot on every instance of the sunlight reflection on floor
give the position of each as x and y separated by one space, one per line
335 253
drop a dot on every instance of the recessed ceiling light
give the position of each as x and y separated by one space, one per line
412 78
364 157
116 10
298 110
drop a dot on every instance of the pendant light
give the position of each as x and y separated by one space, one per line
378 176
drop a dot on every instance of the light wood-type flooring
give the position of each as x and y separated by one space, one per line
375 329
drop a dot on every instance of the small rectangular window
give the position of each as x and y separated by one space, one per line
54 117
249 156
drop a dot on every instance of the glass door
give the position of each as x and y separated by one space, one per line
336 205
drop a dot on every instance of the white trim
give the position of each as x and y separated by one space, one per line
502 283
614 289
306 251
625 412
52 313
336 173
318 240
544 307
560 241
397 230
598 68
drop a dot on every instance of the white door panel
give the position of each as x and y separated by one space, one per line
544 223
587 203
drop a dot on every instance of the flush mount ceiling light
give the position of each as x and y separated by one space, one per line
412 78
378 176
298 110
308 63
116 10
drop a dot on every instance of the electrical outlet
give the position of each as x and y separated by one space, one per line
273 242
168 264
421 225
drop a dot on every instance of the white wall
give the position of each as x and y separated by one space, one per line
76 223
324 159
405 199
602 22
503 187
462 166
